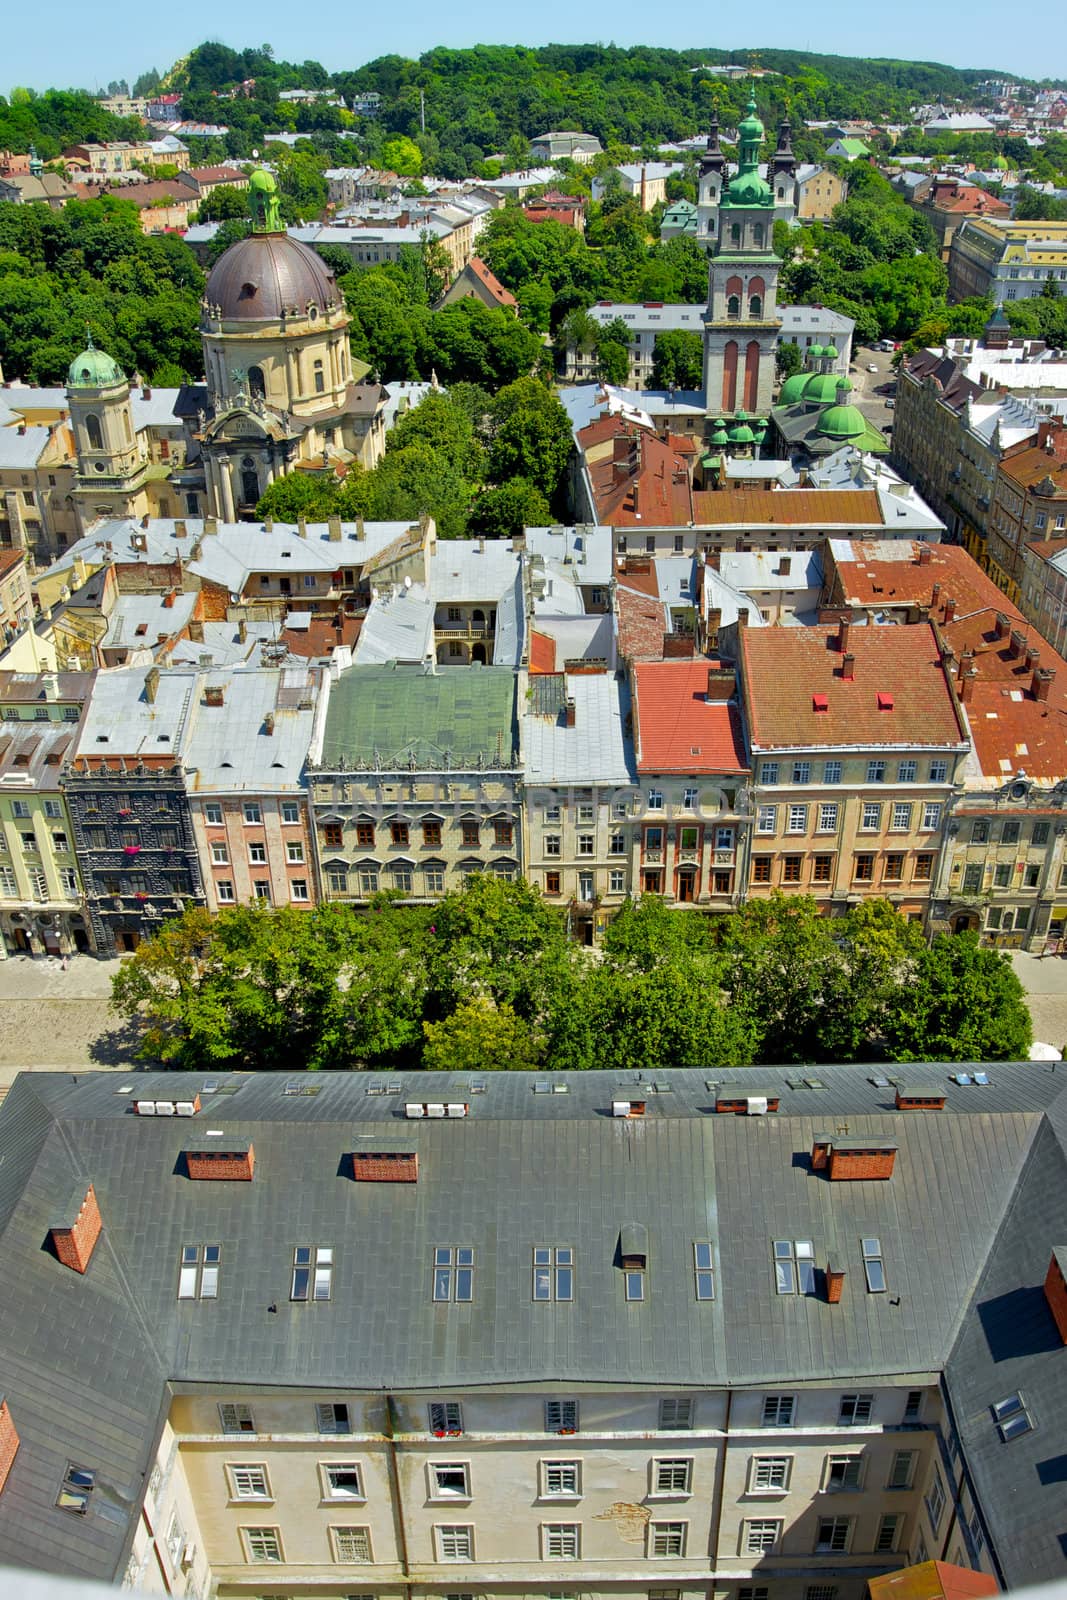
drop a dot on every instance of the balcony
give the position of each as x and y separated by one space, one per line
724 858
653 857
460 630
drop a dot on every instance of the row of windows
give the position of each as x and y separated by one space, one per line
257 852
226 894
668 1477
586 884
41 714
68 882
52 809
252 812
677 1414
402 877
562 1541
333 833
986 830
907 771
553 843
899 815
863 868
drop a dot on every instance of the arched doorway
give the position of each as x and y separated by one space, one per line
249 482
965 922
478 654
257 384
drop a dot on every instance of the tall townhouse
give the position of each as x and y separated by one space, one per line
580 793
1030 502
125 780
690 839
856 743
415 778
1003 872
42 907
421 1335
248 801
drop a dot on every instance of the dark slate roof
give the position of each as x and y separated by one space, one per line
85 1360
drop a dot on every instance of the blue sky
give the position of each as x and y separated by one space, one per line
65 46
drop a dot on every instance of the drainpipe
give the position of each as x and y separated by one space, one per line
391 1453
720 1491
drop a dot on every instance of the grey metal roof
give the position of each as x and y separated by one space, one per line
596 750
85 1359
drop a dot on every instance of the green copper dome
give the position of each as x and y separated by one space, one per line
741 433
830 352
815 352
793 388
94 369
750 126
719 436
823 388
842 422
748 188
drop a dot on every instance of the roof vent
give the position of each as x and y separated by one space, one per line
885 702
167 1108
74 1241
835 1281
233 1159
848 1160
628 1108
435 1108
918 1100
385 1166
820 702
730 1099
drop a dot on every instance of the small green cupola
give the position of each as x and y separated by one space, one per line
841 420
93 369
748 188
263 202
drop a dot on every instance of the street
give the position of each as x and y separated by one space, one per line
871 390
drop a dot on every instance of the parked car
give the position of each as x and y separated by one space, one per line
871 367
890 404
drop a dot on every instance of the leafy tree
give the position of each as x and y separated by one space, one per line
402 156
961 1003
787 359
480 1036
531 437
678 360
222 204
299 494
504 510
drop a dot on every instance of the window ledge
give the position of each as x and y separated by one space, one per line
766 1494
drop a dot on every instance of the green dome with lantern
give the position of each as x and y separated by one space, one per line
94 369
793 388
842 421
748 188
824 388
741 433
830 352
719 435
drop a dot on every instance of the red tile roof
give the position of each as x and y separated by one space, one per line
1037 463
10 560
677 728
542 652
933 1580
321 636
879 584
641 623
645 484
503 296
785 668
1012 729
804 508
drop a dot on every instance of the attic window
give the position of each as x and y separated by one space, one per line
101 738
820 702
1012 1417
77 1486
248 290
142 628
885 702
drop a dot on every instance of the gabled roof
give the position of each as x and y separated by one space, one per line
785 668
678 729
794 508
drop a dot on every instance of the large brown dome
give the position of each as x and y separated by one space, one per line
266 276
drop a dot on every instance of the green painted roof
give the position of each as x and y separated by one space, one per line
821 388
842 422
94 369
854 148
741 433
396 714
793 388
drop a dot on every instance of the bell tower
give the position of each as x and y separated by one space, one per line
709 190
741 323
111 462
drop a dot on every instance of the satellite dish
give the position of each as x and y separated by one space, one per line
407 583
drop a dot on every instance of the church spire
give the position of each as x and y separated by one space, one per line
713 159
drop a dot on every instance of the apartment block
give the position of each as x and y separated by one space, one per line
415 781
682 1362
691 837
580 788
42 908
1030 500
856 742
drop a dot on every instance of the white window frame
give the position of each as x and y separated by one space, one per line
571 1467
676 1413
252 1536
871 816
235 1412
434 1472
767 820
777 1405
830 1546
862 1401
890 1522
220 854
454 1541
290 812
668 1532
562 1534
252 813
843 1461
248 1471
797 819
931 816
769 1468
900 816
828 814
294 852
663 1469
909 1456
339 1531
326 1419
562 1416
330 1493
756 1537
449 1418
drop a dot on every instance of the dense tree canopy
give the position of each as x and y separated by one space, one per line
488 979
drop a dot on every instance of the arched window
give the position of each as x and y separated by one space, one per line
755 306
249 481
757 235
320 378
733 305
735 233
257 384
92 429
126 421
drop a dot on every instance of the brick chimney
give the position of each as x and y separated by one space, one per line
144 522
950 609
385 1166
570 711
232 1159
1017 644
196 630
335 529
925 555
151 685
1033 656
967 683
784 563
935 595
1056 1288
9 1441
844 628
268 724
242 631
215 694
301 527
848 666
1041 682
168 599
73 1242
721 683
835 1282
1000 626
268 524
966 662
